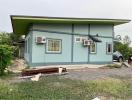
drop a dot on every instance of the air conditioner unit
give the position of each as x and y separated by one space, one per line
40 40
86 42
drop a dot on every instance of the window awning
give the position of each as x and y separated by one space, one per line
95 39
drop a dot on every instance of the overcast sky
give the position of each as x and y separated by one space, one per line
118 9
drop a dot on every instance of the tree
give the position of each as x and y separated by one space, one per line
6 52
7 49
12 40
127 40
8 38
124 49
5 39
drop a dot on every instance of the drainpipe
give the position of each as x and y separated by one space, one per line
88 52
88 45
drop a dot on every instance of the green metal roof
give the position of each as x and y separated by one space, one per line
21 24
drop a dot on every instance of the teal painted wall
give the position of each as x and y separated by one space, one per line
27 55
101 54
106 31
54 27
38 51
80 53
72 52
101 30
81 29
39 55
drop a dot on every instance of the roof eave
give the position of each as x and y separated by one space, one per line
33 19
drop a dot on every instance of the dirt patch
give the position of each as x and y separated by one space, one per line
17 65
98 73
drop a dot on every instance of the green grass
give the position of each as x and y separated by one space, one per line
58 88
113 66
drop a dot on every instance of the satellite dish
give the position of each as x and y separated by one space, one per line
118 37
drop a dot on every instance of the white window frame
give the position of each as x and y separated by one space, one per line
60 45
107 48
95 48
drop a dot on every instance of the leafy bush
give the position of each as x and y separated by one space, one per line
12 40
8 38
6 52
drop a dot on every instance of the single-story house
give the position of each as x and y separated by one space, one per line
57 40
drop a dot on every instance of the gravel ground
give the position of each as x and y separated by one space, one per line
97 73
